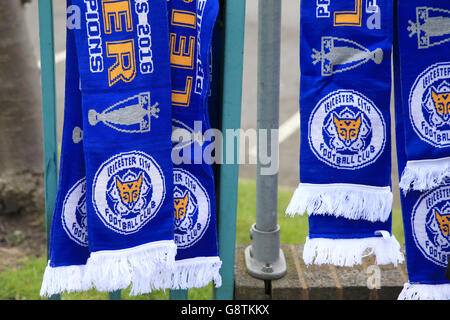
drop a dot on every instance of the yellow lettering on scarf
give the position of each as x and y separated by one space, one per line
183 18
116 10
125 66
183 98
182 58
182 53
349 18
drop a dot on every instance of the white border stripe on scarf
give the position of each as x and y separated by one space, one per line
350 252
196 273
63 279
422 175
412 291
350 201
147 267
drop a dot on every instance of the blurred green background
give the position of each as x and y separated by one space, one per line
24 282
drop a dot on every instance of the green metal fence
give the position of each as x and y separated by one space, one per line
233 16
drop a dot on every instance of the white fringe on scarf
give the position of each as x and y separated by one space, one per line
425 292
424 174
350 252
349 201
147 267
196 273
63 279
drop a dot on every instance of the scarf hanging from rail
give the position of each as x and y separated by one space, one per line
124 79
345 158
422 74
191 31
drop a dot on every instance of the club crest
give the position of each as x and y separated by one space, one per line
430 222
128 191
192 209
132 115
429 105
432 27
74 213
340 55
346 130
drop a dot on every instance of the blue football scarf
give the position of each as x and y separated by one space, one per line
345 168
425 83
191 29
421 77
68 250
124 75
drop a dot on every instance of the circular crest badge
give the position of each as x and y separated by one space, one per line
192 209
74 213
430 221
346 130
128 190
429 105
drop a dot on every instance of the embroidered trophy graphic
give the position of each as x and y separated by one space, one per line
77 135
340 55
432 27
184 136
132 115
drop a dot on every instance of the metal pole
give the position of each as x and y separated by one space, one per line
178 295
48 110
231 120
264 258
115 295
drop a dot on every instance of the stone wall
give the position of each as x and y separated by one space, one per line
326 282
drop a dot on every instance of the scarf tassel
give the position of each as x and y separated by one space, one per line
350 252
144 267
425 292
425 174
63 279
196 273
342 200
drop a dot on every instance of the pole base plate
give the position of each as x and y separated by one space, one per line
262 270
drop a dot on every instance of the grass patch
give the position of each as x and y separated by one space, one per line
293 230
24 282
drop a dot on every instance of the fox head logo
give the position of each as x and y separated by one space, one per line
347 129
129 191
438 224
443 223
185 208
180 206
437 104
441 101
